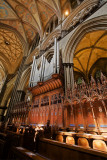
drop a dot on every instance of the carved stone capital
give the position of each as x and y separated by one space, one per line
68 64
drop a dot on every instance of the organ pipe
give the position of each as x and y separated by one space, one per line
41 68
32 70
34 67
55 55
44 60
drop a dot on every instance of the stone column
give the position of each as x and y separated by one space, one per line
71 76
68 76
14 95
32 72
65 77
41 76
55 56
3 89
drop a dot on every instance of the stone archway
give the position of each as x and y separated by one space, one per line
24 78
91 48
78 14
99 23
90 26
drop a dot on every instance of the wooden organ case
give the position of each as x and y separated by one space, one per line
48 90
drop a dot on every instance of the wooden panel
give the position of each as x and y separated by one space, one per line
19 153
60 151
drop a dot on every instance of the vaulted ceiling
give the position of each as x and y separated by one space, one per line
10 51
92 47
27 18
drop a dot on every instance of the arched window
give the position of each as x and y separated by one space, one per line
51 25
56 22
69 6
35 42
49 56
73 3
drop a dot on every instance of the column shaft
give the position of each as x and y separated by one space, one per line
14 95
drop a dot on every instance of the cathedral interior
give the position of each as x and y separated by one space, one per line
53 79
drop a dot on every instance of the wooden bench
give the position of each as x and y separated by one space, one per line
2 147
55 150
20 153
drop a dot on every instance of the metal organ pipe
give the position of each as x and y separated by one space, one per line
35 71
55 54
41 67
65 80
55 62
57 57
44 60
41 77
31 71
72 76
34 67
68 77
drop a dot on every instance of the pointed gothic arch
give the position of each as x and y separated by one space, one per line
99 23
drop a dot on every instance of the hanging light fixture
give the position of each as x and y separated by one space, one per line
6 42
66 13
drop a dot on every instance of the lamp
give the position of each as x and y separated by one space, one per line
66 13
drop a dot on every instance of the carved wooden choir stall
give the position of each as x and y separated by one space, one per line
57 98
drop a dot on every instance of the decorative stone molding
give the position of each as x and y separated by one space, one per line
5 26
68 64
7 94
50 39
41 52
94 24
24 78
29 58
78 14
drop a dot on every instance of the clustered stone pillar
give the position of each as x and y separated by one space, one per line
72 76
14 96
69 76
1 97
3 89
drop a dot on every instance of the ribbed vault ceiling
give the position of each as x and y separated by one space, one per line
10 45
92 47
29 16
10 50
